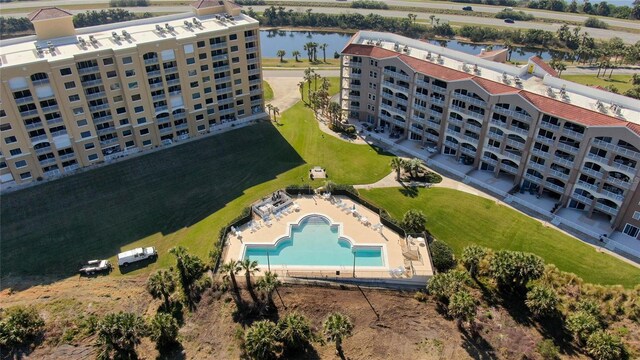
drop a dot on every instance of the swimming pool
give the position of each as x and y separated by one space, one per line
314 241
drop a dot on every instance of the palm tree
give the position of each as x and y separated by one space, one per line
281 54
308 47
230 270
397 164
269 108
261 340
462 307
432 18
412 18
276 111
308 77
118 335
337 327
323 47
414 165
268 284
295 331
249 268
161 285
295 53
164 330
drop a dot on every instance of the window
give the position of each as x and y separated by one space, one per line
136 97
121 110
124 122
237 81
200 44
5 127
65 71
92 157
107 61
192 73
74 97
631 230
3 113
144 131
141 120
233 37
10 140
15 152
70 85
240 112
234 48
199 117
204 67
21 164
195 96
188 49
78 111
236 71
25 175
373 74
191 61
129 144
138 109
197 107
372 97
239 92
636 215
240 102
3 165
111 74
206 79
82 122
85 134
201 127
127 60
89 146
193 84
115 86
373 62
126 133
202 56
146 143
117 98
133 85
207 90
235 60
130 73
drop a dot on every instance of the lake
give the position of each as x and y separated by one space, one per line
273 40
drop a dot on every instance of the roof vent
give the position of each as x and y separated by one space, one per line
518 81
550 92
406 49
39 50
126 34
115 36
93 39
476 69
396 47
465 67
188 24
428 55
159 29
369 42
379 43
168 27
197 22
505 78
51 47
440 59
82 42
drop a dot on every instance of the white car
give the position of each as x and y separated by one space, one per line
138 254
95 266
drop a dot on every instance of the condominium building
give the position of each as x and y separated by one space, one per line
71 98
571 146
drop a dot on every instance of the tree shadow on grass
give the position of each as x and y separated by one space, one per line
49 228
408 191
477 347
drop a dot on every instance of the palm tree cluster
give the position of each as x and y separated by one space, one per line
524 278
292 334
312 51
319 99
410 166
275 110
266 285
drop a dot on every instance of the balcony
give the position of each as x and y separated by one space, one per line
533 179
474 128
513 114
606 209
356 64
618 182
490 161
396 74
220 45
495 136
422 83
29 113
182 126
455 121
419 107
454 133
254 72
508 168
38 138
563 161
617 149
586 185
219 57
451 144
572 134
255 81
44 150
102 119
224 90
432 137
436 101
173 82
549 126
622 167
554 187
88 70
161 109
151 61
515 144
583 199
396 87
71 167
353 75
493 148
90 83
598 158
533 165
48 109
158 97
470 139
421 96
108 142
94 96
436 114
612 196
47 161
592 173
568 148
391 108
40 82
467 151
24 100
433 124
515 157
558 174
154 73
58 133
54 121
227 111
170 70
33 126
544 140
439 89
540 153
67 156
98 107
401 101
179 116
469 99
256 102
253 61
519 131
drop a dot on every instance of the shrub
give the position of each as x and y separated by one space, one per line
19 326
295 331
593 22
548 350
462 307
414 221
471 257
118 335
432 178
512 270
542 301
602 345
515 15
442 256
261 340
444 285
368 4
582 324
164 330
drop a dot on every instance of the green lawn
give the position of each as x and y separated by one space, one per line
622 82
301 63
461 219
182 195
268 92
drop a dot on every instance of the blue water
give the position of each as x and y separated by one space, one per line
314 243
273 40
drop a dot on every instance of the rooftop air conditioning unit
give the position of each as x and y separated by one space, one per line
159 29
93 39
197 22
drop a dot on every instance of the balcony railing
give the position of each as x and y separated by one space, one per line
618 182
598 158
95 96
622 167
536 166
592 173
433 123
540 153
219 57
533 179
47 161
173 82
455 121
151 61
32 126
90 83
24 100
166 130
470 139
573 134
38 138
554 187
48 109
562 161
617 149
154 73
587 186
396 74
549 126
422 83
469 99
451 144
558 174
40 82
102 119
439 89
58 133
44 150
108 141
490 161
607 209
432 137
421 96
67 156
54 121
611 195
515 144
436 101
568 148
512 156
494 135
395 87
474 128
583 199
170 70
98 107
513 114
29 113
467 151
544 140
220 45
508 168
88 70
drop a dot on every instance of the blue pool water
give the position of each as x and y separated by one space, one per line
314 243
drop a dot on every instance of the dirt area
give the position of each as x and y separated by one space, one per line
406 329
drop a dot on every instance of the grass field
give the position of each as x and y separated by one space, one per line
622 82
268 92
302 64
483 222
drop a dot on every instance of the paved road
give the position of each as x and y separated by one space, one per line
425 5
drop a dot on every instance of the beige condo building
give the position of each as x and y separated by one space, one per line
523 130
72 98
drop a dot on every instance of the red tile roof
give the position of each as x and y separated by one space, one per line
205 4
543 103
494 87
48 13
538 61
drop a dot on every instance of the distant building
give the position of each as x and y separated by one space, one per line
576 147
71 98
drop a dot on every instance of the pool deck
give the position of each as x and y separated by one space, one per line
409 255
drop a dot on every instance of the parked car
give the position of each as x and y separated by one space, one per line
95 266
467 8
509 21
138 254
